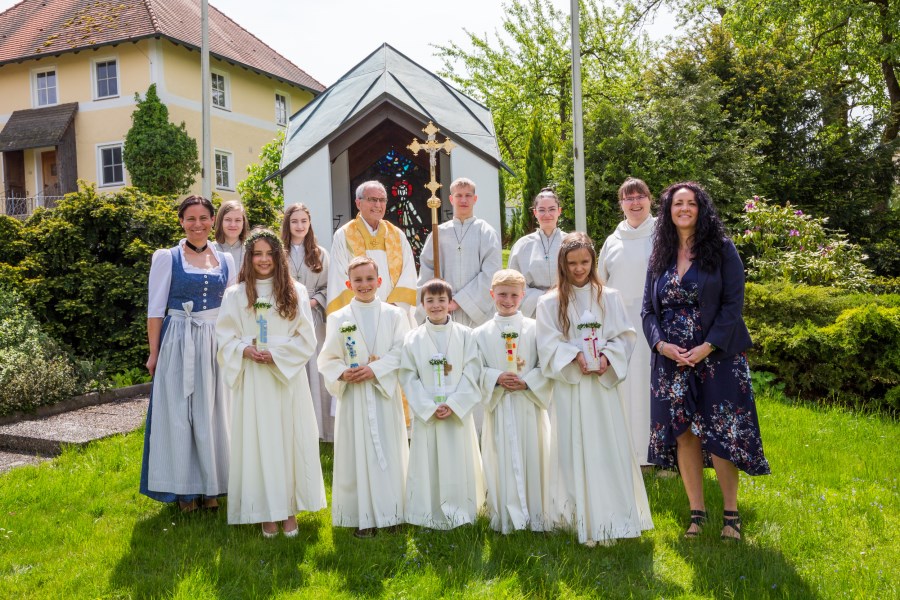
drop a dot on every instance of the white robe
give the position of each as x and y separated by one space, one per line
623 265
275 470
515 440
445 484
316 284
535 256
470 255
371 451
595 482
341 256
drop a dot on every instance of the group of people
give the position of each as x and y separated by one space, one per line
524 391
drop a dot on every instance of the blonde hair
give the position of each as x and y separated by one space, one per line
361 261
462 182
507 277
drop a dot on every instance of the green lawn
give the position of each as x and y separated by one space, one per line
825 524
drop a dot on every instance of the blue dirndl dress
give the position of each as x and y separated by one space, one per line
186 440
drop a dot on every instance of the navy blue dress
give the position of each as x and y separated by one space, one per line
714 399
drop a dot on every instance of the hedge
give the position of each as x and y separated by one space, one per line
826 344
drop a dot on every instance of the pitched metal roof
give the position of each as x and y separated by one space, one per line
37 127
388 75
35 28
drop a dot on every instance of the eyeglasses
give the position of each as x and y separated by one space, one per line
547 211
630 199
376 200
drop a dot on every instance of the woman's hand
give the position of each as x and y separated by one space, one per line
675 353
695 355
313 303
151 363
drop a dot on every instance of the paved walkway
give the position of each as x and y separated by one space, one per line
33 440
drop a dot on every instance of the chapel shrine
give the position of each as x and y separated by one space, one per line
359 129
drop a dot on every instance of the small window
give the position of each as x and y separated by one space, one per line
45 88
106 74
281 109
223 170
112 166
219 90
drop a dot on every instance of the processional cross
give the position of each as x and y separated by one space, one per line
432 147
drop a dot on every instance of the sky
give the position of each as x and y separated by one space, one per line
326 38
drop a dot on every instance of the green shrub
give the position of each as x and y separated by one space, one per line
781 243
85 271
33 369
823 343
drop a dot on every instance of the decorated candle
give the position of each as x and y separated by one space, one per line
589 331
438 364
262 325
348 329
510 352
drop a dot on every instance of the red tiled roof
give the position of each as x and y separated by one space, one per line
35 28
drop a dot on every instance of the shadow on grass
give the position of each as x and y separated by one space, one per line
200 555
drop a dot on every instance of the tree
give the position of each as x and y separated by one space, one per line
535 173
263 198
161 157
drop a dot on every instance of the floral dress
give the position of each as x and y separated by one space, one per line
713 399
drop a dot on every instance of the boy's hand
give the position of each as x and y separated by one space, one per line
511 382
364 374
443 411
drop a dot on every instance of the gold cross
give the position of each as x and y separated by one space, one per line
433 147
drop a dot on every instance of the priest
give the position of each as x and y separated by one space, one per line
369 234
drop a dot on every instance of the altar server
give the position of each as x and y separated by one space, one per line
360 361
515 440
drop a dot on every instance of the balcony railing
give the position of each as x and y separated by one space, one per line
21 205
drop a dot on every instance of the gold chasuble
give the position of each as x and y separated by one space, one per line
388 239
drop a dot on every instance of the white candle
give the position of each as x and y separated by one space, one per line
511 350
348 328
437 363
589 331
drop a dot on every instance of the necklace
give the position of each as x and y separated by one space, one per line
294 264
549 245
459 240
199 250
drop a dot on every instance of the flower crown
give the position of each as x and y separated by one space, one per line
567 247
258 234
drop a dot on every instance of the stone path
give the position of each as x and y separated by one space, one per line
32 440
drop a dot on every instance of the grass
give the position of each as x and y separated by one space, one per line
825 524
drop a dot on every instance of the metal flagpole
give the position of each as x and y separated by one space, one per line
206 99
577 122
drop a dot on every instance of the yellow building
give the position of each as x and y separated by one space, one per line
69 70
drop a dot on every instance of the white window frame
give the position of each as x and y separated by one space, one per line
95 81
287 108
35 94
106 184
226 93
228 157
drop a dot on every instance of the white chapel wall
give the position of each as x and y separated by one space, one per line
464 163
310 183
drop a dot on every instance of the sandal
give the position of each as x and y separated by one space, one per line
698 518
187 507
731 518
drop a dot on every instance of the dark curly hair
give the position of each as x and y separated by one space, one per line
708 238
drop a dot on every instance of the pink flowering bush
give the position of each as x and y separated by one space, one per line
781 243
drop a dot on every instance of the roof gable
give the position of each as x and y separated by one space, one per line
388 74
34 28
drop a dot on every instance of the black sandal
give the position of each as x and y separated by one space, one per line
698 518
731 518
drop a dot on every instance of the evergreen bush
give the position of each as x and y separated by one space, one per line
827 344
33 369
85 269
